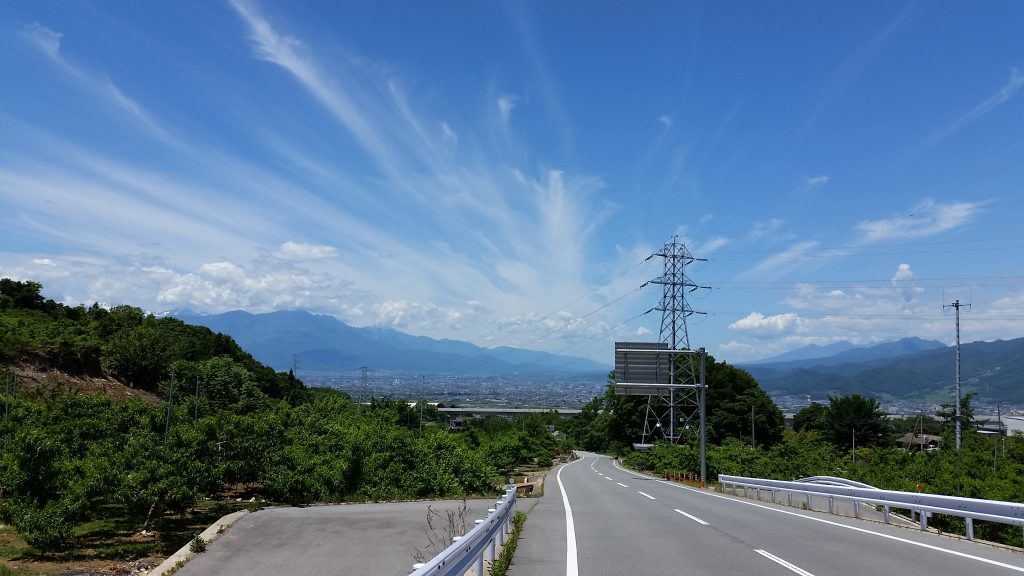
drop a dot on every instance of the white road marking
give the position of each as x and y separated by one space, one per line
592 465
691 517
783 563
571 560
621 484
645 494
831 523
608 478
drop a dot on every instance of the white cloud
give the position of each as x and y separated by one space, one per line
765 228
815 181
665 120
505 103
44 39
711 245
299 252
926 219
761 326
781 263
448 134
642 331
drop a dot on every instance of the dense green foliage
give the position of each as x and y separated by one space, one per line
226 423
846 419
612 423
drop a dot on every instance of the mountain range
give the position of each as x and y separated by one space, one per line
908 369
325 344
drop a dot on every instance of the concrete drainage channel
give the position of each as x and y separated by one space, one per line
179 558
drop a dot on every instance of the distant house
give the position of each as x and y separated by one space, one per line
911 441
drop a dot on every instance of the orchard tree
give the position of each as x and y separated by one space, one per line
734 400
856 417
813 418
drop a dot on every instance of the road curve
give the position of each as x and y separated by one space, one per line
598 519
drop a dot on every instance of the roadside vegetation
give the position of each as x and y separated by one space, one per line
208 429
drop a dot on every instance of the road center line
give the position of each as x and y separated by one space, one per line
645 494
831 523
571 560
621 484
608 478
691 517
783 563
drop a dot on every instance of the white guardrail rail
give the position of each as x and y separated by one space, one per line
969 509
469 550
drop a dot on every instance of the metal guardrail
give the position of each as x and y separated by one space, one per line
969 509
469 550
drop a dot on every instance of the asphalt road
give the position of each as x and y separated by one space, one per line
356 539
621 522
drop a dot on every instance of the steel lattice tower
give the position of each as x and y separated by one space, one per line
682 406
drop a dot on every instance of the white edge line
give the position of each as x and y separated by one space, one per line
646 494
691 517
571 560
783 563
824 521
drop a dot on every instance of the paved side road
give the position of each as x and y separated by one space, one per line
325 540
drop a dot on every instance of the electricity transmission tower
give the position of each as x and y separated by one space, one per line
956 305
365 392
676 406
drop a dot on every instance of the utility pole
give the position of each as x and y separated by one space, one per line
753 441
170 406
364 385
956 305
10 384
999 438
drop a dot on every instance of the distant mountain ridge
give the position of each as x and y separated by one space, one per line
845 352
924 370
326 344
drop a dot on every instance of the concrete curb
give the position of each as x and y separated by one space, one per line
184 554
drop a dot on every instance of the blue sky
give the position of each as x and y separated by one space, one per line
498 172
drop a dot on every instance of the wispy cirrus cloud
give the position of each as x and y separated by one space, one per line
858 62
997 99
928 218
506 103
432 227
815 181
48 42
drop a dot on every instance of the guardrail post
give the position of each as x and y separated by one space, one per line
789 498
885 513
970 528
856 509
831 506
924 519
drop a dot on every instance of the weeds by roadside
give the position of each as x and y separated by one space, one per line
504 560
